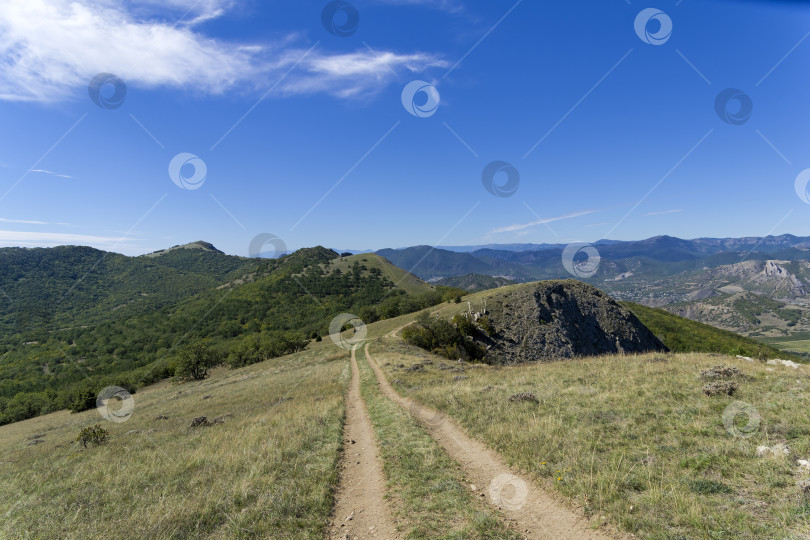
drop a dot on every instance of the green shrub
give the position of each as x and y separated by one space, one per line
83 399
93 436
708 487
486 324
465 325
444 338
195 361
261 347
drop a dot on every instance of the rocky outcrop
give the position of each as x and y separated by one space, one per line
552 320
782 280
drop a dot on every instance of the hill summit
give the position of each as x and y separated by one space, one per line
549 320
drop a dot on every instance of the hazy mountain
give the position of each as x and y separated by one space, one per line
751 285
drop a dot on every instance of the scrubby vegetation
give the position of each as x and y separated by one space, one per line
93 436
454 340
261 347
195 361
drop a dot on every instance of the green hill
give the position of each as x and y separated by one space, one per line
74 285
403 279
475 282
200 258
68 357
685 335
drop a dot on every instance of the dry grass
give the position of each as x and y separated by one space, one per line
431 498
630 438
634 438
266 471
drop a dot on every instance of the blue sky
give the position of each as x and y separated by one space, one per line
304 135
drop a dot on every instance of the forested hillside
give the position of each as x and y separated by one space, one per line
69 285
274 306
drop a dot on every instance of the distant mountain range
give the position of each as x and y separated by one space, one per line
753 285
662 255
757 286
704 245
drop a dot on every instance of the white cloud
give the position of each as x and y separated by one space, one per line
353 74
663 212
45 171
50 239
34 222
51 48
522 226
190 12
25 221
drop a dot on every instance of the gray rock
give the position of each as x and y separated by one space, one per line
199 422
565 319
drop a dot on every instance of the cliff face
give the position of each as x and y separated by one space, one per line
553 320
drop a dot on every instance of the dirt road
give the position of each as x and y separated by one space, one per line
535 513
360 509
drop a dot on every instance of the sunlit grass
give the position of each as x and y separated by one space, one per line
429 494
633 438
267 471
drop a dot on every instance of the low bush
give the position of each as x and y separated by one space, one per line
93 436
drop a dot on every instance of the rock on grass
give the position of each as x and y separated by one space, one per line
524 396
200 421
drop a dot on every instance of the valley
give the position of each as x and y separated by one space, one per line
753 286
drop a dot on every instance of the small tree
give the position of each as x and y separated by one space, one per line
195 361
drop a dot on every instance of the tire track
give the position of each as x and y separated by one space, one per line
360 508
535 513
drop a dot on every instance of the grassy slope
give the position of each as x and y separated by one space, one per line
266 472
684 335
634 438
475 282
403 279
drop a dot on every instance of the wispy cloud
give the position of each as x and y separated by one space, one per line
663 212
45 171
50 239
451 6
353 74
25 221
193 12
34 222
52 48
522 226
